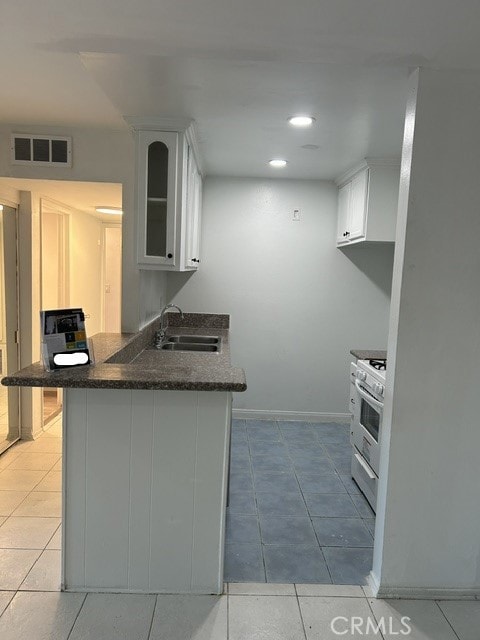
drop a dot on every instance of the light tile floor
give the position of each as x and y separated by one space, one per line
246 611
295 514
30 513
32 607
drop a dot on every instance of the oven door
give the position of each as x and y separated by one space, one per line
365 477
367 425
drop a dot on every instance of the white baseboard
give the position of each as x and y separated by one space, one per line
303 416
419 593
373 583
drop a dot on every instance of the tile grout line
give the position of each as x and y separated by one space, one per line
448 621
300 612
14 592
76 617
373 614
20 590
153 617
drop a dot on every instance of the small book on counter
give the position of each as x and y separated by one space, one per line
64 339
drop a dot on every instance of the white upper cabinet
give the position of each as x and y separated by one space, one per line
168 195
367 203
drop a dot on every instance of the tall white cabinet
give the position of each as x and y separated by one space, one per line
168 195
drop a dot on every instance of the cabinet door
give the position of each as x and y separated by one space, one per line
194 205
197 216
344 194
157 198
358 201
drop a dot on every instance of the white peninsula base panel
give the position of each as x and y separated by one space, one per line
145 484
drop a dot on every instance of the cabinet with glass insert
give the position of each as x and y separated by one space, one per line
168 199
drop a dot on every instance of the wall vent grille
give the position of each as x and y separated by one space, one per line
31 149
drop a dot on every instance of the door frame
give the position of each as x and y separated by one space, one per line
12 343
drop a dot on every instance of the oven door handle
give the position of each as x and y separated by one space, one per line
368 398
365 466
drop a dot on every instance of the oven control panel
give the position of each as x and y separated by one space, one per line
372 381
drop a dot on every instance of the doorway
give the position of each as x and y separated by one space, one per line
80 263
9 396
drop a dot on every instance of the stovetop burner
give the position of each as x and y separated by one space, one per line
379 365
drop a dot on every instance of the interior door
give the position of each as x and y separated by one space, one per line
9 396
113 278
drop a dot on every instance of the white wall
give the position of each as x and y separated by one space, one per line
52 269
101 155
428 517
297 303
85 258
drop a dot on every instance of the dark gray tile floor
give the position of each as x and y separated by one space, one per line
295 514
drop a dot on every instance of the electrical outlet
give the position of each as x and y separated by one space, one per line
296 215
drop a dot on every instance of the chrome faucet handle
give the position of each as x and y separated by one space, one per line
159 338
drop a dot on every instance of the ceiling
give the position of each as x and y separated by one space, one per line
239 69
82 196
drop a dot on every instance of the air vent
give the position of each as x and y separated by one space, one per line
30 149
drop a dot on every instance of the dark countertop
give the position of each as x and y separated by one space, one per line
368 354
124 362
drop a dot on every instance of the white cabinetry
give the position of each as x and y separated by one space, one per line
145 514
168 195
367 203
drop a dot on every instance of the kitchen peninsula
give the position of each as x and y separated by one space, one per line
145 460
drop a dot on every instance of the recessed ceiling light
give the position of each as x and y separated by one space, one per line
301 121
110 210
278 164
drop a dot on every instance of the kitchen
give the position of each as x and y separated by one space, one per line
315 235
295 309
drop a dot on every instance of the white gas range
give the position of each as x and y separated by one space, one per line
368 380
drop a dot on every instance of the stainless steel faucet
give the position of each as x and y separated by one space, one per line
160 334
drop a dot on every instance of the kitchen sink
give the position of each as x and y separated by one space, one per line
194 339
189 346
205 344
